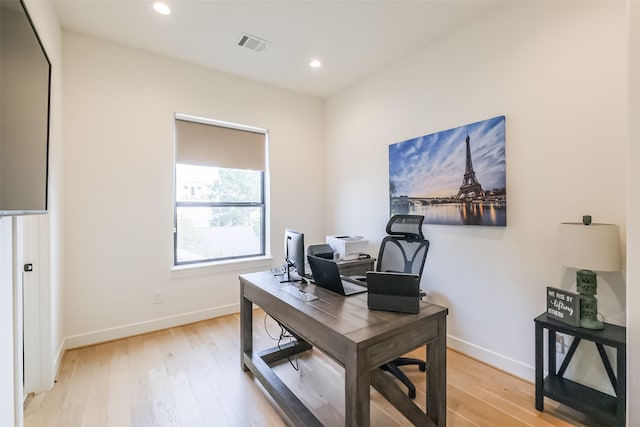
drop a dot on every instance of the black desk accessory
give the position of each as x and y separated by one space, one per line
399 292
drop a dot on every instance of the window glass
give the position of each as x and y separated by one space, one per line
206 233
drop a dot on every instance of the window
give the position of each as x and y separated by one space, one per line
219 191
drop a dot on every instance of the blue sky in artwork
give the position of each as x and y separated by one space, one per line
434 165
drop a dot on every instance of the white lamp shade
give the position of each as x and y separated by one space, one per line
589 247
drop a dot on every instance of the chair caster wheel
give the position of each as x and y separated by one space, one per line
412 394
423 368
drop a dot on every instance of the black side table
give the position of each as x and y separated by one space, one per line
610 410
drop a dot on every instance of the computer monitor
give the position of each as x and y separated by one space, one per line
294 255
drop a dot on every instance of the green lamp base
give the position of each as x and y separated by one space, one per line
587 285
591 324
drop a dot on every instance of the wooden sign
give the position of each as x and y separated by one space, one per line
563 306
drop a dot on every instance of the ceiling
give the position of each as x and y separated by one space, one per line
352 38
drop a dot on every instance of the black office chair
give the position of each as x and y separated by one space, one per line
404 250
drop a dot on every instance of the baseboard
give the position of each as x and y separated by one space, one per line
147 326
499 361
57 362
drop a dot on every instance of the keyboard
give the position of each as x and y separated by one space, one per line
352 288
298 293
355 281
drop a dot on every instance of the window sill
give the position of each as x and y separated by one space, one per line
241 266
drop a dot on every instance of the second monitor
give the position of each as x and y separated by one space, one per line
294 255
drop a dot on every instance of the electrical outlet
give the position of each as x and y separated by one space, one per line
560 346
157 297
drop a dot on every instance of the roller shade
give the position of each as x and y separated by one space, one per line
219 146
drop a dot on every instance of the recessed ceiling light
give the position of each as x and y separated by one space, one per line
315 63
161 8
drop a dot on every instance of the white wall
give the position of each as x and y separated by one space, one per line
633 215
119 106
557 71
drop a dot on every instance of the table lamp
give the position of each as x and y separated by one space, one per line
589 247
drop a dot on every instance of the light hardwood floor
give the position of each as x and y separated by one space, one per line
190 376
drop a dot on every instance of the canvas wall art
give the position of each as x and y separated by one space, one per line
456 177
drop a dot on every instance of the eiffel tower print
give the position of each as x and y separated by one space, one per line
470 188
425 173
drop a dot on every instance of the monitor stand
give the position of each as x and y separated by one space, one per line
291 277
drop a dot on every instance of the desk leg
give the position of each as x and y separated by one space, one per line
437 376
246 327
539 368
357 395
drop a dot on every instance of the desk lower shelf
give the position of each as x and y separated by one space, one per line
592 402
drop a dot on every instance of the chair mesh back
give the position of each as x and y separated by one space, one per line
402 256
405 249
406 225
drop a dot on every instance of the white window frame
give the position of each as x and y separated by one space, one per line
225 264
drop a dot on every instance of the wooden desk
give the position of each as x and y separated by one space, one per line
359 339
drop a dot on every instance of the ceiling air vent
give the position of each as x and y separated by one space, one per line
253 42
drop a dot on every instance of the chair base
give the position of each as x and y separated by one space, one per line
393 369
